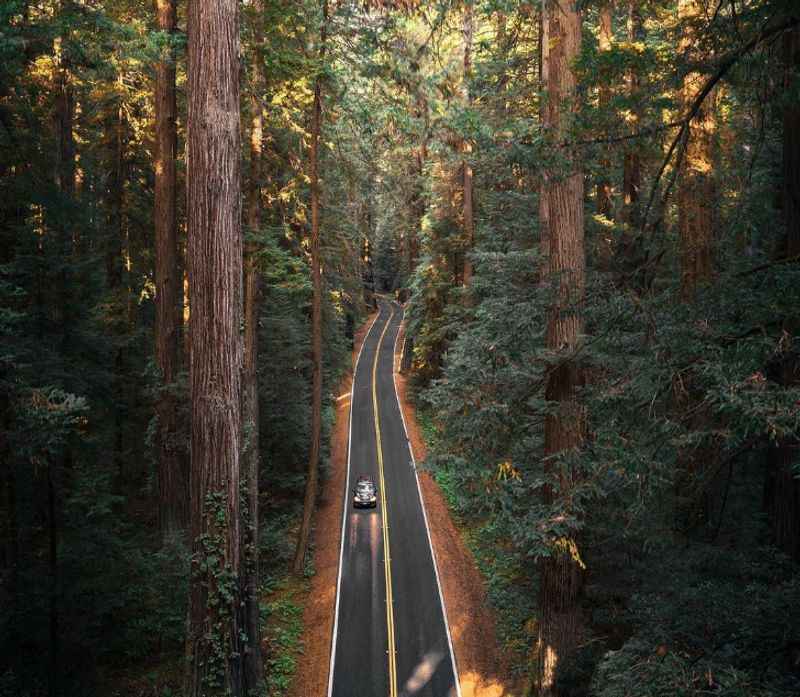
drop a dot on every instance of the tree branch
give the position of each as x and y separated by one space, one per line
727 63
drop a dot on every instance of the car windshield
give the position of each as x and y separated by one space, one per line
364 487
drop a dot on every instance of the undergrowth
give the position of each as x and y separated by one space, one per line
510 588
282 626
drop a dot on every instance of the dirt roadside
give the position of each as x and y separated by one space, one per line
482 672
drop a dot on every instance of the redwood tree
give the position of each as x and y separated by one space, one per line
544 76
782 488
696 191
65 176
791 144
561 624
251 466
631 171
469 222
312 475
214 636
605 36
172 470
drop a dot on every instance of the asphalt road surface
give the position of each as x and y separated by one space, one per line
390 635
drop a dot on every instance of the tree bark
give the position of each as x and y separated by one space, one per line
697 190
603 192
54 670
116 194
561 621
117 251
418 196
253 661
64 117
469 223
213 644
791 146
783 504
173 484
417 206
312 475
544 76
631 173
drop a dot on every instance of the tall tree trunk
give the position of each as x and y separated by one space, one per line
544 76
561 621
418 197
469 223
791 145
54 670
784 488
417 208
10 531
186 304
631 174
173 475
696 191
783 502
116 252
312 475
116 194
253 661
214 644
606 35
696 207
64 117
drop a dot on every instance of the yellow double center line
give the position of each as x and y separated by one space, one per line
387 557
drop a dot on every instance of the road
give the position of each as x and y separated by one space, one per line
390 636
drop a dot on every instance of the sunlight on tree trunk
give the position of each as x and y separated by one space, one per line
606 35
173 476
561 624
312 476
544 76
214 642
697 190
631 174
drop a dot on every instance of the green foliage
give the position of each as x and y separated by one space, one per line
387 266
285 366
281 599
709 620
283 625
487 426
211 567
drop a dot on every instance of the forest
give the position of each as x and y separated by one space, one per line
588 214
